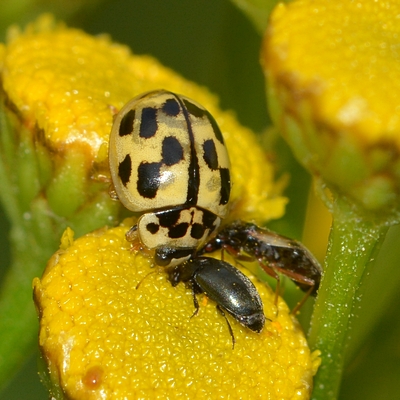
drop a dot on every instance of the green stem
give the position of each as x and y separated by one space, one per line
354 239
32 244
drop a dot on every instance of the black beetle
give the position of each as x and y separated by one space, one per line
275 253
226 285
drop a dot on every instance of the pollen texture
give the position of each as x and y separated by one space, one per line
105 338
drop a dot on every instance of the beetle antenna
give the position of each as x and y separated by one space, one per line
141 281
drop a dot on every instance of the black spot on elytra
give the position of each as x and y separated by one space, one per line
172 151
164 255
148 123
209 219
171 108
197 231
210 154
194 109
126 125
201 112
168 218
215 127
225 185
148 179
125 169
178 231
153 228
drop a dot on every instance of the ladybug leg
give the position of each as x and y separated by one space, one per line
136 245
112 192
132 234
114 111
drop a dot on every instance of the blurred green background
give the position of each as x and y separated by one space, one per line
214 44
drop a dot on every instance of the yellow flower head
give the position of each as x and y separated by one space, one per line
69 85
103 337
99 335
333 69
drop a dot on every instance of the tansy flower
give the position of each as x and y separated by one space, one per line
333 70
104 337
99 335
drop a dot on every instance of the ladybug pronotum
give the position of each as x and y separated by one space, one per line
168 162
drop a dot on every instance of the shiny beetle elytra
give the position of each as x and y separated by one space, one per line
226 285
275 253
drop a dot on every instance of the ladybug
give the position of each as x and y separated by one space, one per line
168 162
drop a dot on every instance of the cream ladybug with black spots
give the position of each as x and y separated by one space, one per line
168 161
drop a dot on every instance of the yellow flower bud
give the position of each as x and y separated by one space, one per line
70 87
333 72
104 337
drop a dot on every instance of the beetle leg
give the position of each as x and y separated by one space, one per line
112 192
132 234
272 273
302 301
229 325
195 303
